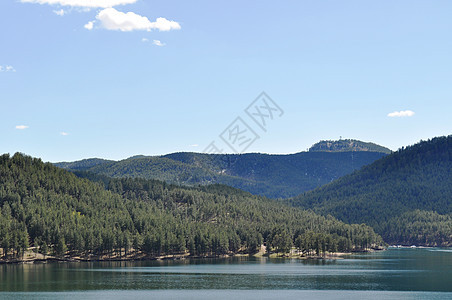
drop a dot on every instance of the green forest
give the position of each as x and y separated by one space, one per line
402 198
405 196
54 212
419 227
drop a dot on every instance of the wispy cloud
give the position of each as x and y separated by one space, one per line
194 145
158 43
154 42
22 127
112 19
60 12
64 133
7 69
402 113
83 3
89 25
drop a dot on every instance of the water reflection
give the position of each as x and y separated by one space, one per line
392 270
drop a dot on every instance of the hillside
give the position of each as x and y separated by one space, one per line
58 213
274 176
412 183
83 164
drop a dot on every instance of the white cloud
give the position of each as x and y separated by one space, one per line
402 113
60 12
64 133
7 69
154 42
82 3
158 43
21 127
163 24
111 19
194 145
89 25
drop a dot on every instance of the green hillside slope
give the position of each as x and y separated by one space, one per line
418 177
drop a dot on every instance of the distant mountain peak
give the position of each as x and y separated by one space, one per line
347 145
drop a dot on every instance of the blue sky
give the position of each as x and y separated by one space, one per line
78 81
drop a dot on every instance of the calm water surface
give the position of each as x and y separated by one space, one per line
391 274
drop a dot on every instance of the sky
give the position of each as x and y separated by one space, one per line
117 78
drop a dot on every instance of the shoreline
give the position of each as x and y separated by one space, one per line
33 258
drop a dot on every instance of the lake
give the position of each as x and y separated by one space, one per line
398 273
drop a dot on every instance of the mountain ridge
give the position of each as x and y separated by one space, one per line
271 175
348 145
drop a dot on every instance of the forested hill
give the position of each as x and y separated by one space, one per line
83 164
405 196
274 176
61 214
348 145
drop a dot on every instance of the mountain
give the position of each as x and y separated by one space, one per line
410 186
274 176
347 146
59 213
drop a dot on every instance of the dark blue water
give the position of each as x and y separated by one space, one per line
391 274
